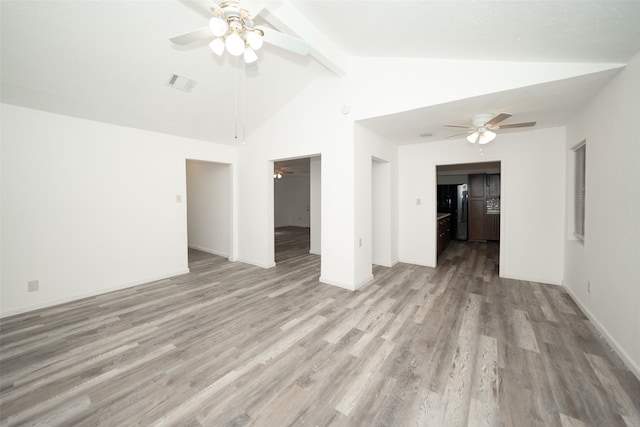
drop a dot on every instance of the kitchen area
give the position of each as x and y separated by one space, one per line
468 203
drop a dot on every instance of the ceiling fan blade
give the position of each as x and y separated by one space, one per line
192 36
478 138
458 134
460 126
517 125
497 119
284 41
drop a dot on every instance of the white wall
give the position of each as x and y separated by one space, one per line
88 207
209 206
532 190
610 256
291 201
384 86
310 125
315 196
369 145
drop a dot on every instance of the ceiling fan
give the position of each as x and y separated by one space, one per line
280 172
483 126
232 28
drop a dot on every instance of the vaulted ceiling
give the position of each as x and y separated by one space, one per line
111 60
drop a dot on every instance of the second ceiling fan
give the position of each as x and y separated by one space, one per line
483 126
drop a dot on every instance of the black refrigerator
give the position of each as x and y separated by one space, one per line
453 199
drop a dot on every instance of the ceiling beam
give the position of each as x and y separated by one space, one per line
285 17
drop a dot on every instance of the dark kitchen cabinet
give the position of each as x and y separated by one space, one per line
444 233
476 219
493 185
477 184
492 227
484 207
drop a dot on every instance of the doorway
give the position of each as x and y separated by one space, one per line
208 209
381 213
296 207
469 204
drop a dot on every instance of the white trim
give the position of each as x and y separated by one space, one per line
367 279
631 364
546 281
209 251
387 265
58 301
579 145
256 264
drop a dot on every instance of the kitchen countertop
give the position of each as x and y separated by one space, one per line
441 215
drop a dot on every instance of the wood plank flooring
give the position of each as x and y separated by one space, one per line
231 345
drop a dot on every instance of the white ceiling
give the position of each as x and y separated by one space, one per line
110 60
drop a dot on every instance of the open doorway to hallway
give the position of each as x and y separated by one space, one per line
469 203
296 207
381 213
208 209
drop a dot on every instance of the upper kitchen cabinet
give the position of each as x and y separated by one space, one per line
477 184
493 185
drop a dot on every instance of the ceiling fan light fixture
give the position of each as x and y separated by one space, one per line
234 44
254 38
249 55
486 137
218 26
483 137
217 46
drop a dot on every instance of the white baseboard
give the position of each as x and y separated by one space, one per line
209 251
57 301
544 280
364 282
631 364
257 264
416 262
336 283
387 265
344 285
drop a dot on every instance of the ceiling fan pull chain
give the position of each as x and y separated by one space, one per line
244 100
237 99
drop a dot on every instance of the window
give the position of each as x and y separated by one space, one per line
579 189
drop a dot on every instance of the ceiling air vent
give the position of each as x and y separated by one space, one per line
181 82
427 134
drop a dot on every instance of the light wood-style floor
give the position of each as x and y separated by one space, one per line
230 344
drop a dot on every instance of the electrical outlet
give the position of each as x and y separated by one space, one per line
178 198
418 202
33 285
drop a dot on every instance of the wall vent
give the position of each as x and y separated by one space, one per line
181 82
